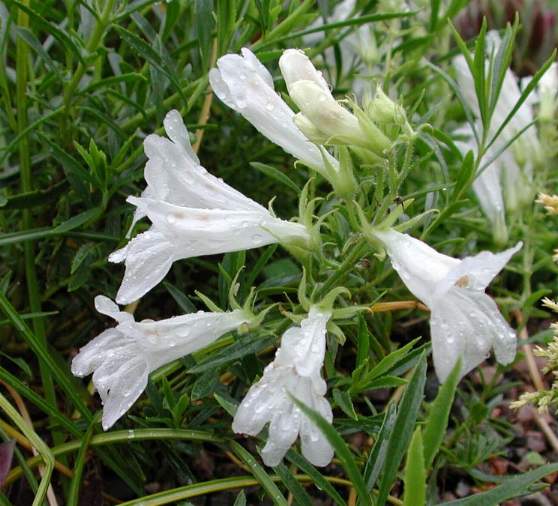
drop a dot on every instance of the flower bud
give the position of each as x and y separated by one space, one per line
296 66
383 110
322 109
309 129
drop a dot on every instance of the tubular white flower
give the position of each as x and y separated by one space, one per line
193 213
547 90
488 184
514 166
246 86
464 322
296 371
528 144
310 92
121 358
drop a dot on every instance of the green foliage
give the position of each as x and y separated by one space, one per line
81 84
415 472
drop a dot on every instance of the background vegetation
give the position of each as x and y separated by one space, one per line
82 83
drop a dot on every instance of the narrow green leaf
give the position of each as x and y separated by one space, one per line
204 25
479 75
73 495
341 449
78 220
151 56
437 421
227 405
259 473
407 412
319 481
30 38
363 341
377 457
243 346
38 347
434 12
184 303
343 400
510 488
300 496
240 499
526 92
383 382
415 473
60 35
502 61
276 174
226 21
390 360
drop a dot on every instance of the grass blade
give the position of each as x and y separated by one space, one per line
407 412
341 449
259 473
437 421
415 473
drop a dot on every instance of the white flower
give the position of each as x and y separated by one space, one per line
488 183
310 91
295 370
513 167
193 213
547 90
121 358
246 86
341 12
526 146
464 322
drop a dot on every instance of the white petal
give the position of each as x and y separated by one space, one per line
121 358
175 176
419 266
177 132
198 232
123 393
315 446
548 83
252 60
467 325
296 66
106 306
304 346
92 354
149 257
166 340
254 411
241 84
476 272
487 185
283 431
488 188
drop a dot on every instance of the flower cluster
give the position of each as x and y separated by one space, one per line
545 399
505 178
193 213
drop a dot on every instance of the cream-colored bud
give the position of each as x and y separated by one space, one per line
327 114
309 129
296 66
383 110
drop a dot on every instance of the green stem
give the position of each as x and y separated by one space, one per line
45 454
27 186
90 47
346 266
122 436
73 496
